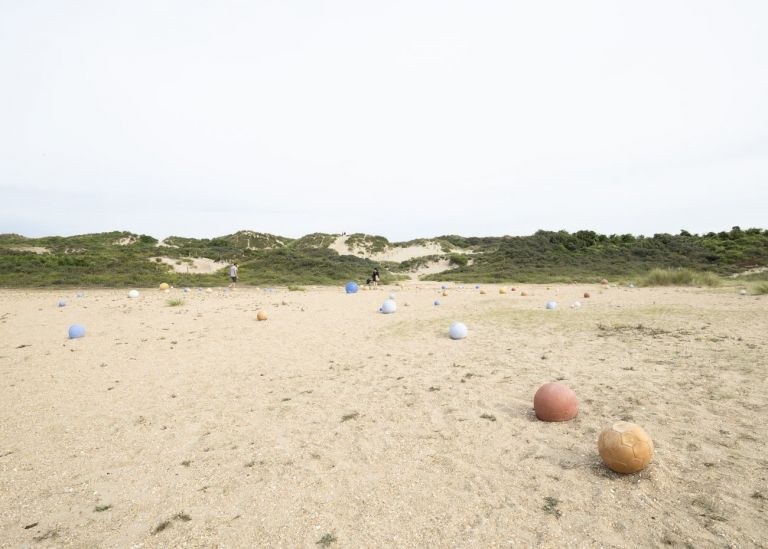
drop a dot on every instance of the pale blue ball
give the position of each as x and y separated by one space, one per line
551 305
76 330
388 307
62 303
457 331
437 302
391 296
351 287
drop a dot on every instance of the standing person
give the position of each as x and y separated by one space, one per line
375 277
233 275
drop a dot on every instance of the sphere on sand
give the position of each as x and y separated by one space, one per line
392 296
551 305
631 285
587 295
742 292
445 294
555 402
62 303
208 291
261 315
524 293
482 292
351 287
502 290
604 282
388 307
457 331
437 302
477 286
133 294
164 286
576 305
625 447
186 290
76 330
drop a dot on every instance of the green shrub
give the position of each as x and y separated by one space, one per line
176 302
459 260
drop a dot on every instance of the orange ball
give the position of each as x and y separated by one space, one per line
523 293
445 293
625 447
555 402
603 282
261 315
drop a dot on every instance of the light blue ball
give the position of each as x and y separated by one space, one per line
437 302
351 287
457 331
62 303
76 330
388 307
186 290
391 296
551 305
477 286
443 287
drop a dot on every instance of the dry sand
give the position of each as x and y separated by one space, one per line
198 426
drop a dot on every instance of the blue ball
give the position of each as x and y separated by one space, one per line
62 303
76 330
442 287
457 331
186 290
551 305
477 286
351 287
437 302
388 307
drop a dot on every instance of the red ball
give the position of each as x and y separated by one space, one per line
555 402
586 295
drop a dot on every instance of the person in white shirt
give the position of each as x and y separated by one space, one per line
233 275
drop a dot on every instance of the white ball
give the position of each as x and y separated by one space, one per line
388 307
576 305
391 296
133 294
551 305
742 292
457 331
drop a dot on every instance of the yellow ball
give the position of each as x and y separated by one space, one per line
482 292
625 447
164 286
261 315
502 290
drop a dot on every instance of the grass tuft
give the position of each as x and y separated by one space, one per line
550 506
326 540
760 289
176 302
680 277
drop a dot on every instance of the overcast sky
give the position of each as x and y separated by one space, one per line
406 119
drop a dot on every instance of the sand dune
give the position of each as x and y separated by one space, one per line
198 426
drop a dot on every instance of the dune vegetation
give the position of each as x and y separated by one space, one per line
127 259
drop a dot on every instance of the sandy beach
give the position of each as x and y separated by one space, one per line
331 425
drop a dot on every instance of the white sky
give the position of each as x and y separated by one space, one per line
406 119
